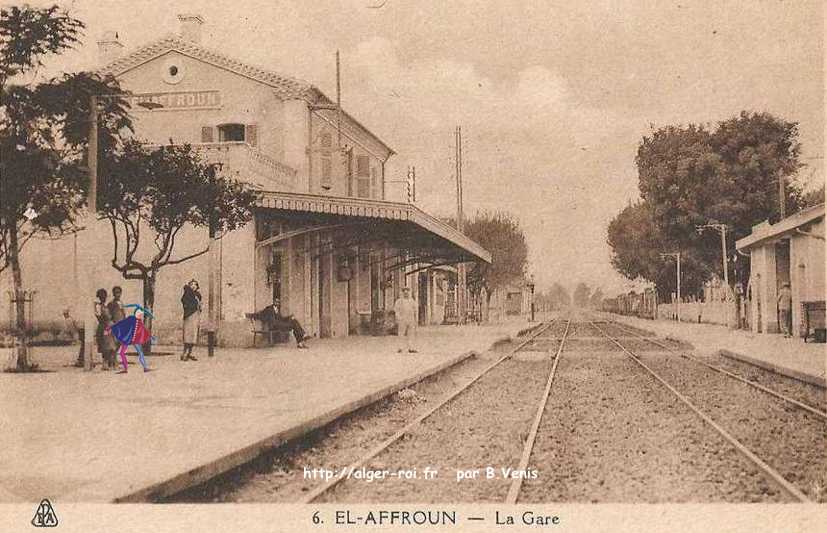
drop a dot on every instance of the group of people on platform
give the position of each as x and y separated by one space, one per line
115 330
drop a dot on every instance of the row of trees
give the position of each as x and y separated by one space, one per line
44 167
694 175
558 297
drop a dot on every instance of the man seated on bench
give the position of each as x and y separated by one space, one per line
272 320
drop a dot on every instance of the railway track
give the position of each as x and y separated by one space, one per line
789 488
781 396
326 487
517 483
610 433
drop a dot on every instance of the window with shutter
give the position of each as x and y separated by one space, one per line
207 134
363 187
251 134
327 173
363 166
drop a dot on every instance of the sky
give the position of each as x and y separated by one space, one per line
553 97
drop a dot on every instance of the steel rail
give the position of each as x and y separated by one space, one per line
517 483
801 405
767 469
376 450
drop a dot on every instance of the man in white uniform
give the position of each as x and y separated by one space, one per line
405 310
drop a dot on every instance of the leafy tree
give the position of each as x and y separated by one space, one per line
813 197
559 295
690 176
164 189
596 299
554 298
43 136
500 234
637 242
581 295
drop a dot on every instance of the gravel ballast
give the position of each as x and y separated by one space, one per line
484 427
612 434
807 393
791 440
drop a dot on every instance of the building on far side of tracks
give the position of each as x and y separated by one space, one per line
324 241
789 251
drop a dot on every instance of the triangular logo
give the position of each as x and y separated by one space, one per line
45 515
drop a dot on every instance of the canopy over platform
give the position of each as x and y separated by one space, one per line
424 239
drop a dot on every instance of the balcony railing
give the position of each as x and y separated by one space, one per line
243 162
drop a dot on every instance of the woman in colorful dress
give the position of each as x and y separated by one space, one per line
131 330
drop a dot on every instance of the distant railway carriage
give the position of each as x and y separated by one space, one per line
642 305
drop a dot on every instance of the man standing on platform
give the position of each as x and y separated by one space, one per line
405 311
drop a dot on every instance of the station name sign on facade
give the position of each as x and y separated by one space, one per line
175 101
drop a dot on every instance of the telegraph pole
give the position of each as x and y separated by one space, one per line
211 304
461 282
338 103
413 184
87 312
460 221
721 228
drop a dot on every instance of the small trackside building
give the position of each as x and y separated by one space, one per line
789 251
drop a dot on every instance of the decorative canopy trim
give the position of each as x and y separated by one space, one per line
379 209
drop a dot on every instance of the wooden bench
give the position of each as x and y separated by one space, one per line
813 316
280 334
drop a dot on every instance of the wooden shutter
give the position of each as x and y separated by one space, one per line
251 134
363 166
327 172
363 187
207 135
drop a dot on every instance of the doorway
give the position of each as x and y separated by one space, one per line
782 277
323 301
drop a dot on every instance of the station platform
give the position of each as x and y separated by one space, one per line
790 357
70 435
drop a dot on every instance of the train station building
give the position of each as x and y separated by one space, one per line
789 251
325 243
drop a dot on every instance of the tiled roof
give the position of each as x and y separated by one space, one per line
285 86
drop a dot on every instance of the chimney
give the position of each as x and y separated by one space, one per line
109 48
191 27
